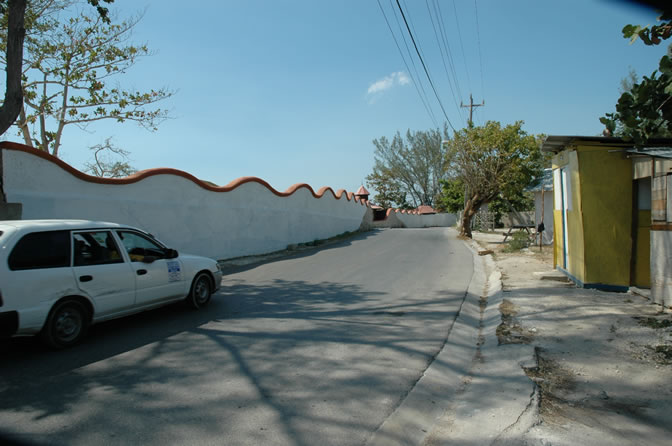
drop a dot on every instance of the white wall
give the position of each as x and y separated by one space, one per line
425 221
661 267
249 219
548 214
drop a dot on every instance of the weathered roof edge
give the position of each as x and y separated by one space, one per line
557 143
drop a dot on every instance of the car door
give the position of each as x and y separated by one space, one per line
102 272
157 278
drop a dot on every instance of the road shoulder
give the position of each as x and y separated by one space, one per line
603 361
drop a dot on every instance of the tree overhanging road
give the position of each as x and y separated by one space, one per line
319 348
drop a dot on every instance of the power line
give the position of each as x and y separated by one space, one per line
478 40
429 78
459 33
410 56
410 73
442 49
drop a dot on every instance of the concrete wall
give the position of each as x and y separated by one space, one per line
243 218
411 220
396 218
661 267
661 232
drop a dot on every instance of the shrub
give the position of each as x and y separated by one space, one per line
519 240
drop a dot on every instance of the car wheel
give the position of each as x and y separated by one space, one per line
201 290
66 325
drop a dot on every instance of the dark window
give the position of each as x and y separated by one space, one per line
140 247
95 248
49 249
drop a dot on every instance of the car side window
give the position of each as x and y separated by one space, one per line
140 247
49 249
95 248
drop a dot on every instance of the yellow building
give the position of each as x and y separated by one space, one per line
602 210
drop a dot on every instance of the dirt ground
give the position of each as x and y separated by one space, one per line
604 360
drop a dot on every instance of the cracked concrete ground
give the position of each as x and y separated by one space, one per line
601 367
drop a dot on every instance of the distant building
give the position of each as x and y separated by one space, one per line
425 210
362 193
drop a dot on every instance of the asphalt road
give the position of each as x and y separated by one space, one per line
319 348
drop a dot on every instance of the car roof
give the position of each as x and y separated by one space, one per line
56 224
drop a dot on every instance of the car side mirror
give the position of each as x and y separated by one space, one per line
171 253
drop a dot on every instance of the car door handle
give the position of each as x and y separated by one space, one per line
85 278
141 272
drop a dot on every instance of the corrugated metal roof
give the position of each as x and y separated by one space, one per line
557 143
657 152
545 181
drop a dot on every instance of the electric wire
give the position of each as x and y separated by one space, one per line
478 41
410 73
402 32
459 33
444 37
444 51
424 66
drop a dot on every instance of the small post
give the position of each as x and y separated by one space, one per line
541 225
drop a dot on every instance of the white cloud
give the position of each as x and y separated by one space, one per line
398 78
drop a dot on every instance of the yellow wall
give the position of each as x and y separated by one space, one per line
606 193
575 221
569 161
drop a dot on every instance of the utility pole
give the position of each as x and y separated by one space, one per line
471 107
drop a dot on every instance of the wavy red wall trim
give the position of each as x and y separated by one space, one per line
7 145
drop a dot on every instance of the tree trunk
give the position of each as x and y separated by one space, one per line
13 92
470 209
23 125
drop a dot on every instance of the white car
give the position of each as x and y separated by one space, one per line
57 277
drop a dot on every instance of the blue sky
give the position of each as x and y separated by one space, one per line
295 91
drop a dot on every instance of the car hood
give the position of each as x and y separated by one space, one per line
191 258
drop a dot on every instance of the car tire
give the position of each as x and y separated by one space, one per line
201 291
67 324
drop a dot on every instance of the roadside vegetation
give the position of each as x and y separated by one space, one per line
64 61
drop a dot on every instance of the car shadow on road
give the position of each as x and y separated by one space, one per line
243 326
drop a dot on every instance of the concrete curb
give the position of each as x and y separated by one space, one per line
501 402
475 391
425 404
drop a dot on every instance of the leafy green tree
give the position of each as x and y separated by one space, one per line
521 201
389 192
451 198
409 169
645 110
13 14
493 160
69 66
